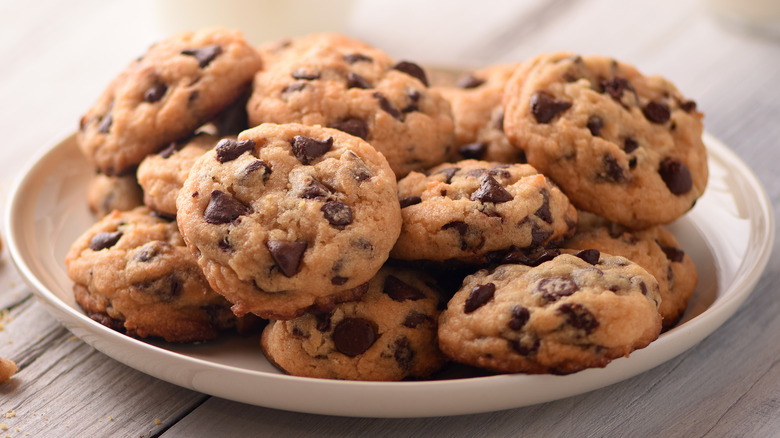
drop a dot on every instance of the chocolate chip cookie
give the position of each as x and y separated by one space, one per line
161 175
289 216
567 314
331 80
479 116
107 193
623 145
654 248
133 273
179 84
467 210
390 334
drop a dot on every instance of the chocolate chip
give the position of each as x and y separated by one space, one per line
105 124
595 123
676 176
519 257
672 253
337 213
448 172
520 316
687 105
256 165
414 97
473 150
354 336
315 190
413 319
388 107
469 81
104 240
294 87
229 149
352 126
525 350
338 281
223 208
193 97
491 191
306 149
224 244
630 145
543 212
409 200
589 255
615 87
413 70
656 112
356 57
323 320
204 55
579 317
613 172
303 74
539 235
354 80
165 288
643 288
287 255
155 92
479 296
544 107
460 226
401 291
170 149
553 288
403 354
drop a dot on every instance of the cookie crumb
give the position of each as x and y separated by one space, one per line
7 370
157 421
10 414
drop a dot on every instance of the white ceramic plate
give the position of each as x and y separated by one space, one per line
728 234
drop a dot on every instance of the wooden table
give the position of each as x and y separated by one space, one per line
57 56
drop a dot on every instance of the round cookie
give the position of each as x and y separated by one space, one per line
625 146
161 175
107 193
390 334
133 273
479 116
654 248
567 314
179 84
331 80
471 209
289 216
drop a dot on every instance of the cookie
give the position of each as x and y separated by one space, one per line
133 273
468 210
620 144
289 216
334 81
564 315
107 193
390 334
179 84
162 175
479 116
654 248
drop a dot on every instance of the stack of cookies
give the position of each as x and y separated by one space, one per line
376 226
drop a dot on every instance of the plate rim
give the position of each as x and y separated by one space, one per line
701 325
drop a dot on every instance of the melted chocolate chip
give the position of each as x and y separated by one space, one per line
403 354
356 57
409 200
354 80
579 317
469 81
491 191
229 149
354 336
223 208
155 92
676 176
589 255
401 291
630 145
337 213
595 123
413 70
414 319
553 288
479 296
306 149
517 256
615 87
352 126
544 107
104 240
473 150
315 190
672 253
388 107
656 112
543 212
204 55
287 255
303 74
520 316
